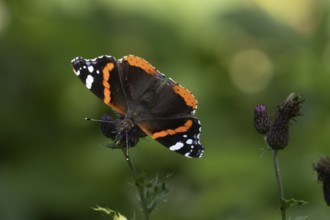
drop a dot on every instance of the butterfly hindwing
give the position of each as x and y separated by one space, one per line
178 134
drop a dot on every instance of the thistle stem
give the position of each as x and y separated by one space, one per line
139 186
279 184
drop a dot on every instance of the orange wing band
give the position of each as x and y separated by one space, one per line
107 90
188 97
180 129
140 63
106 76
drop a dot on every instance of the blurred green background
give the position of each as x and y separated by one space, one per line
231 54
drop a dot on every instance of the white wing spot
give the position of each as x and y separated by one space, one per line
77 72
89 81
189 141
177 146
188 154
90 69
98 71
185 136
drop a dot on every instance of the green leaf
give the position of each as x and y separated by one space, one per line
154 190
115 214
293 202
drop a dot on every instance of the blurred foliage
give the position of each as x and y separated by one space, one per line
231 54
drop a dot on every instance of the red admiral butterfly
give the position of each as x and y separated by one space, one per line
136 90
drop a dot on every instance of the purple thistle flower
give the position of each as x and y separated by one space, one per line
108 126
262 120
114 129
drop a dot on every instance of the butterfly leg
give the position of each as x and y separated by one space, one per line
126 147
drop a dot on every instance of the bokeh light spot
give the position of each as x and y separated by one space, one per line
4 16
251 70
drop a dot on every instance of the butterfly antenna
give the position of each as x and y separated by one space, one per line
97 120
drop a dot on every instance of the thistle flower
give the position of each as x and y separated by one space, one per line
322 167
278 134
113 129
108 126
262 120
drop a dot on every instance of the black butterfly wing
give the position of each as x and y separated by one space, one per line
178 134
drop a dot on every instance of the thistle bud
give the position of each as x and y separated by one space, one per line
262 121
278 135
290 108
322 167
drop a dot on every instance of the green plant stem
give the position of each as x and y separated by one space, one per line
279 184
139 186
